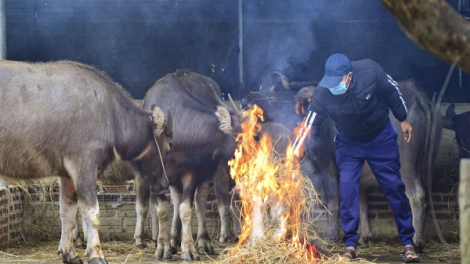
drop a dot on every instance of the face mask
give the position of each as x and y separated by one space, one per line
340 88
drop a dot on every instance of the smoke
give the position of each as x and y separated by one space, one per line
296 37
278 35
138 42
135 42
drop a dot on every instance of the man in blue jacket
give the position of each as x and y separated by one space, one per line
357 96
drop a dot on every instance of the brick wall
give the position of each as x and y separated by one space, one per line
40 218
117 205
117 214
11 216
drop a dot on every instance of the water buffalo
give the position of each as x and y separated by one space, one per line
413 160
204 135
70 120
460 124
276 97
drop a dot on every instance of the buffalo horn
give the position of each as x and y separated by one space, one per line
235 108
284 80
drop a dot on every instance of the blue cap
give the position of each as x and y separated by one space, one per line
336 67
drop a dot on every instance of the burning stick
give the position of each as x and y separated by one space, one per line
304 132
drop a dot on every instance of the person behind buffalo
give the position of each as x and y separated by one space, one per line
357 96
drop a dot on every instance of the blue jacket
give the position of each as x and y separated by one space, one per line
362 112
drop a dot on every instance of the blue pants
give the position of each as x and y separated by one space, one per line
381 153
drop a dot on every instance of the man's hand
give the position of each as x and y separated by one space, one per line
407 130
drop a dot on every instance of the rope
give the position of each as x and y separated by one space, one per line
161 158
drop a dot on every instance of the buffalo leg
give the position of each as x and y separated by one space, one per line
80 242
226 204
68 213
175 235
330 187
164 250
258 211
366 233
141 208
411 175
153 214
419 208
222 190
188 250
276 213
203 240
235 211
85 181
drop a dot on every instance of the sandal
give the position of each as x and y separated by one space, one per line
350 253
409 254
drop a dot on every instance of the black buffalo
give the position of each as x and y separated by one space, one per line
460 123
203 135
70 120
276 96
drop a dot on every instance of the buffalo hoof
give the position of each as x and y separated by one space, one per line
189 257
419 247
234 239
142 246
224 239
209 250
204 246
174 250
160 254
365 240
97 261
75 260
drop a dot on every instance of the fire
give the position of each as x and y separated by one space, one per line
267 182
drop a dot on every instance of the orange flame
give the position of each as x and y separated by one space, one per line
259 179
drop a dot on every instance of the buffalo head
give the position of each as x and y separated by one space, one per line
277 97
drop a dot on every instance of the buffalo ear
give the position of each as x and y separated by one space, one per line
225 121
158 118
449 118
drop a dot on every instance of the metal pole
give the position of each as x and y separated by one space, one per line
3 31
464 208
240 41
3 46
